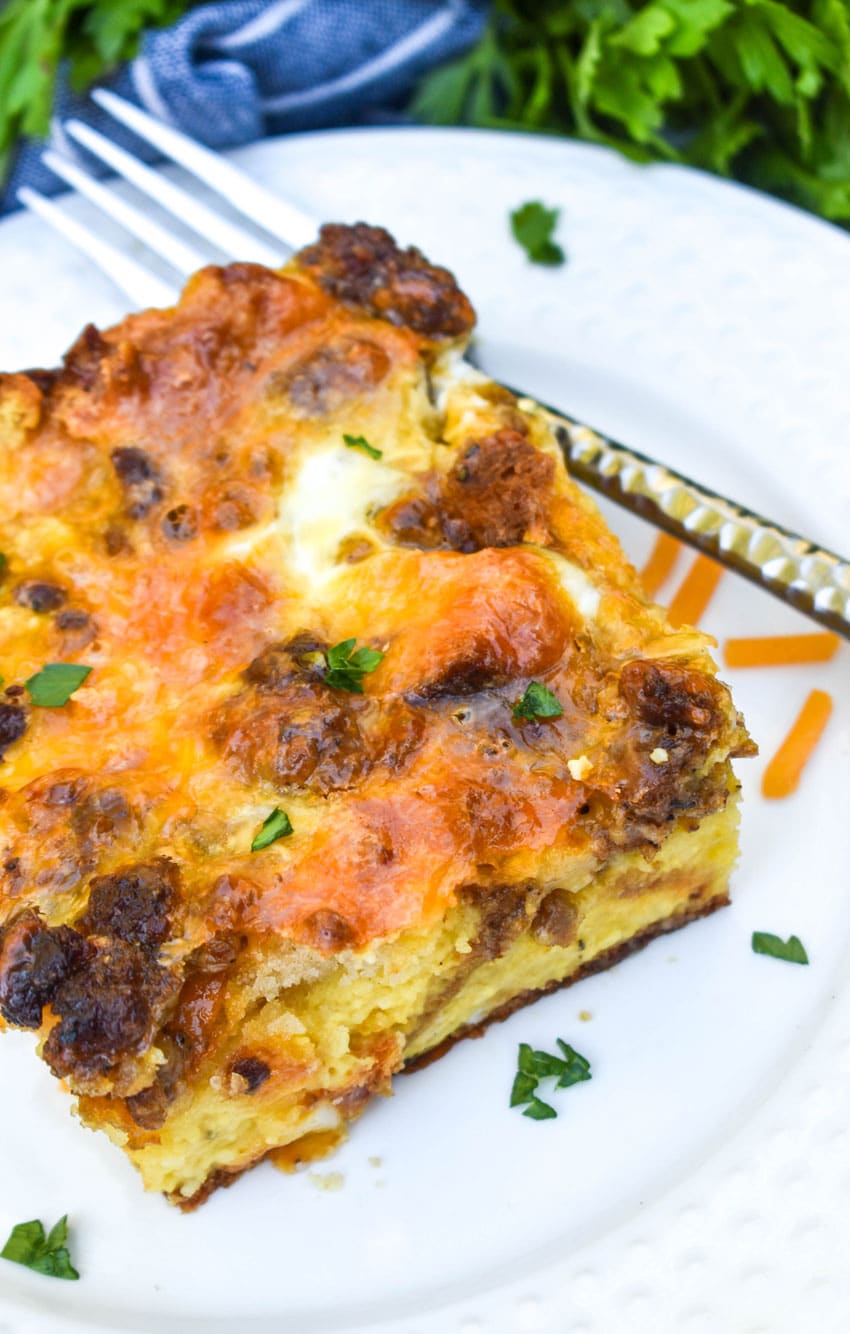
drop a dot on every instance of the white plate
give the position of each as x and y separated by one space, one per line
700 1181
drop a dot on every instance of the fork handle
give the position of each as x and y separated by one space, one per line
810 578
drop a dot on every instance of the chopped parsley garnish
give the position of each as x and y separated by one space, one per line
346 669
360 442
3 563
27 1245
791 950
54 685
532 1066
533 225
275 826
538 702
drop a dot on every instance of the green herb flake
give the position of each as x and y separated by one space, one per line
533 225
360 442
575 1068
4 561
791 950
347 666
523 1089
275 826
525 1060
539 1111
54 685
567 1069
27 1245
538 702
547 1066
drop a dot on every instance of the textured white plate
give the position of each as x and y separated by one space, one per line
700 1182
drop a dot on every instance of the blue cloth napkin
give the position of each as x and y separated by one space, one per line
235 70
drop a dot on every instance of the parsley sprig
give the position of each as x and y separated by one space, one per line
757 89
533 225
28 1245
36 35
347 666
532 1066
791 950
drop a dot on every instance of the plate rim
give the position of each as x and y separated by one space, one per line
793 213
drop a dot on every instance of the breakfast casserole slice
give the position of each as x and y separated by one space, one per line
336 723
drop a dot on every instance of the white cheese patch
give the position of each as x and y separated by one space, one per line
579 768
334 494
576 583
659 755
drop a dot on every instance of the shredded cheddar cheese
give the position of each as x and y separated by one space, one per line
779 650
659 565
782 775
695 592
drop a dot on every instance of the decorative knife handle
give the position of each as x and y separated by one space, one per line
815 581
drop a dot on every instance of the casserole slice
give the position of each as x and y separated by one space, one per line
379 739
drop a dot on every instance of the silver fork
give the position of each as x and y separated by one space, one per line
810 578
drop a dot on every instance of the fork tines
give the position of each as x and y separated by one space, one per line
289 224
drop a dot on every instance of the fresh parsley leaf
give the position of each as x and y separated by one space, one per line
645 32
347 666
523 1089
533 225
275 826
791 950
54 685
574 1068
360 442
525 1059
539 1111
532 1066
475 85
538 701
545 1065
27 1245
